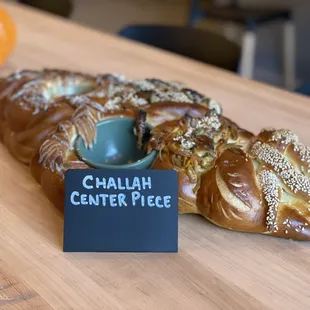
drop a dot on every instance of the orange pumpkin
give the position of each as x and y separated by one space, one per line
7 35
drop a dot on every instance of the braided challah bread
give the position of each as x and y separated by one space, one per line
34 102
236 180
233 178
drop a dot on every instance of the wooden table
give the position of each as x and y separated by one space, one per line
214 269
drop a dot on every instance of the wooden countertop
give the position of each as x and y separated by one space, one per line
214 269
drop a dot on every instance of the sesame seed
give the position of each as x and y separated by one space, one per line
113 104
185 143
208 123
171 96
143 85
268 129
284 135
134 100
214 105
281 165
270 186
304 153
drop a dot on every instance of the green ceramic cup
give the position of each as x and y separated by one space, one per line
115 147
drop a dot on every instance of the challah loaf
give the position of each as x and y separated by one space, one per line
236 180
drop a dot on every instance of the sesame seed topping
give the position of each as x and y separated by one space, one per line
284 135
113 104
268 129
170 96
214 105
135 100
176 85
185 143
296 181
304 153
194 96
270 186
143 85
207 123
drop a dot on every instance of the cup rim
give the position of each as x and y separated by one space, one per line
92 164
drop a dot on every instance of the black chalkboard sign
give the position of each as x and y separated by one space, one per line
121 210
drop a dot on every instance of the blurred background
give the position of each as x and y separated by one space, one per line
265 40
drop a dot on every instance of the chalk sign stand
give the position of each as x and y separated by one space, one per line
111 210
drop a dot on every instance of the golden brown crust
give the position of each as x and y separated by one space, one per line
239 181
229 196
190 145
294 221
29 112
246 183
187 193
43 132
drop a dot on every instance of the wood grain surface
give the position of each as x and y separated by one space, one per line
214 269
